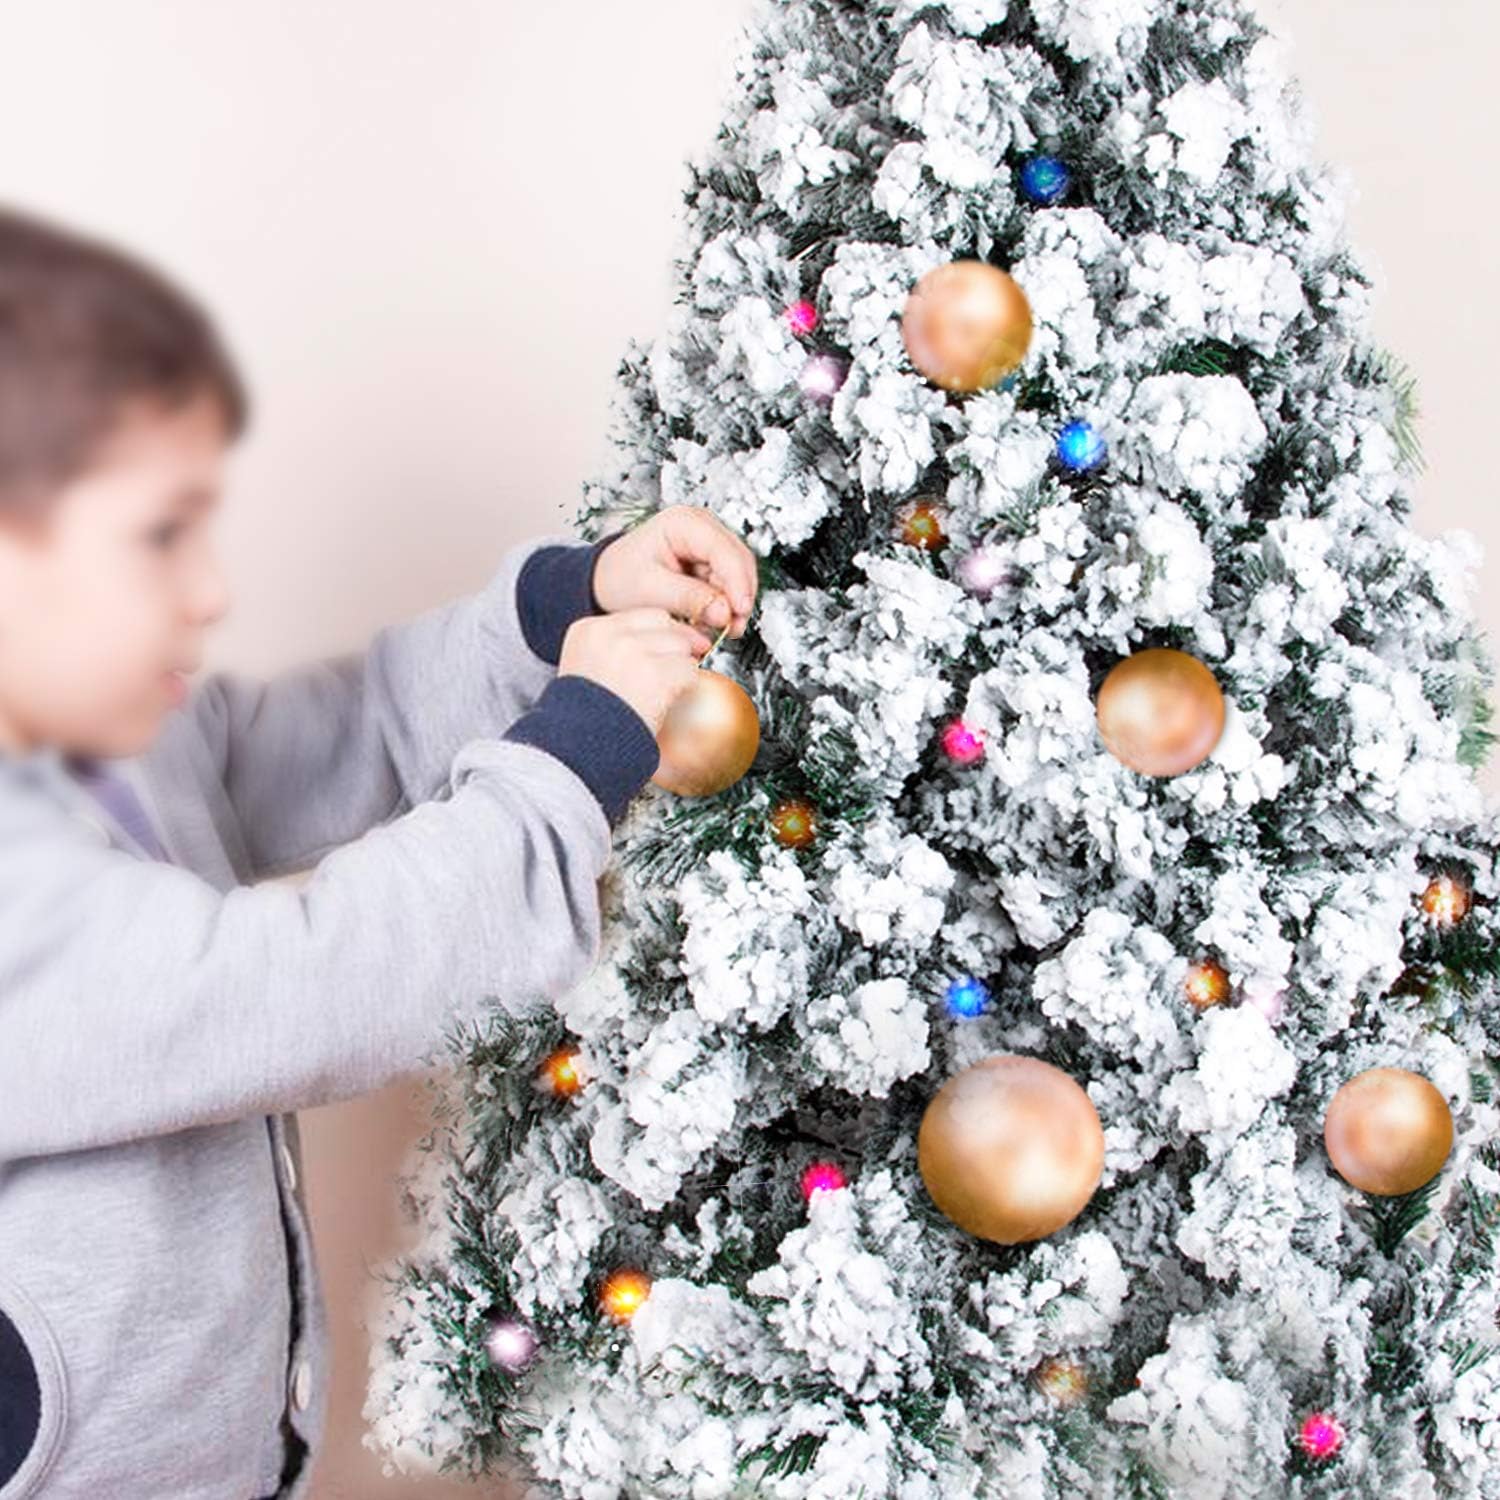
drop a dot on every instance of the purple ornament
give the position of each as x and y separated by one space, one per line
983 570
822 375
511 1344
1267 998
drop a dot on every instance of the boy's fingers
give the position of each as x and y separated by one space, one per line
657 630
696 535
697 600
667 626
697 642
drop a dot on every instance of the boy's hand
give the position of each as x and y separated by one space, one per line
644 655
683 560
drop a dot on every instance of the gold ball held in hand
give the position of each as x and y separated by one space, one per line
1160 711
709 736
1011 1148
1388 1131
966 325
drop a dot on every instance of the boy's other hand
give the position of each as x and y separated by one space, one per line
644 655
683 560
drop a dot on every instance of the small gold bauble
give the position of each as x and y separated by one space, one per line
794 823
1160 711
966 325
1062 1379
708 738
1388 1131
623 1292
922 526
1011 1148
562 1073
1207 984
1445 901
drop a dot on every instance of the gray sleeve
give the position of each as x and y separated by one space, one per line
137 999
317 755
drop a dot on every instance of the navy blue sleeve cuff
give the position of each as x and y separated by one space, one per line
595 731
555 587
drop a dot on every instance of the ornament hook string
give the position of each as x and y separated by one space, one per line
714 647
720 637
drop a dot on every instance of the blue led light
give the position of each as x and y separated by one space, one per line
1044 179
1080 448
967 997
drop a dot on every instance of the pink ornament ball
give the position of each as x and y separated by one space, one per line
822 1177
1321 1435
802 317
961 744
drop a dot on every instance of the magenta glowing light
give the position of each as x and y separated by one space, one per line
1321 1435
801 317
961 744
822 1177
822 375
511 1344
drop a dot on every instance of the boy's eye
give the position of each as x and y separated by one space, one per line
165 534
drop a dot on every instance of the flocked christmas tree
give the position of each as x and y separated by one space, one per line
1112 716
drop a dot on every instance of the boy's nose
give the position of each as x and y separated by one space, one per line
217 608
211 596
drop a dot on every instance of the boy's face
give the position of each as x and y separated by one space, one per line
108 594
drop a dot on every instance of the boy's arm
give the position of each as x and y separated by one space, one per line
316 756
138 999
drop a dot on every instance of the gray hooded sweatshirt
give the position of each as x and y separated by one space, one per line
162 1325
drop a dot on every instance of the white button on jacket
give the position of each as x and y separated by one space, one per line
301 1385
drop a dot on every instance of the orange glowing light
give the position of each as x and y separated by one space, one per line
1207 984
562 1072
1446 901
623 1293
1062 1380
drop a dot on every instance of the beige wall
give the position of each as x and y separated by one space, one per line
429 229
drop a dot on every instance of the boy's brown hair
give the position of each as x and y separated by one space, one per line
84 327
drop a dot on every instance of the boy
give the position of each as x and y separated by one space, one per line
162 1330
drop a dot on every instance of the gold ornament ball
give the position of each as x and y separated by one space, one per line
922 526
1062 1379
1388 1131
1207 984
708 738
966 325
561 1072
794 823
1011 1149
1446 901
1160 711
623 1293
